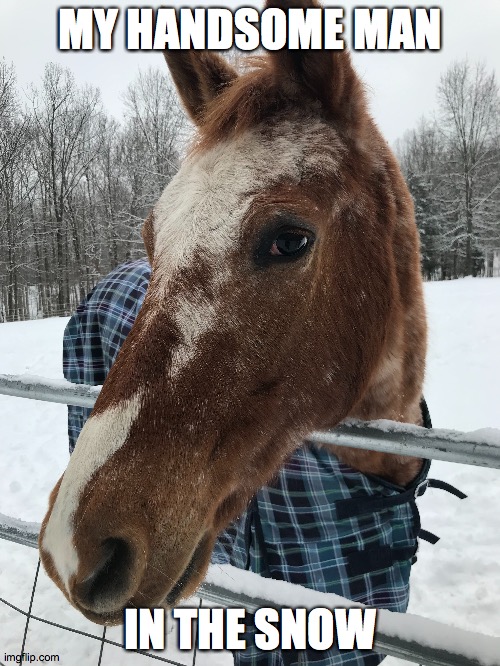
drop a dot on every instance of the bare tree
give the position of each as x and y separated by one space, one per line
16 185
66 143
421 156
156 123
76 185
469 101
12 132
7 91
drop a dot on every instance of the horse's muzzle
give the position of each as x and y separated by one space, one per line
108 587
119 579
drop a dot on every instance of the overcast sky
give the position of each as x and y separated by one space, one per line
402 85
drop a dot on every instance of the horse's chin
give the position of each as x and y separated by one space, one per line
106 619
193 574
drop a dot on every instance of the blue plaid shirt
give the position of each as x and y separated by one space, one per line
302 528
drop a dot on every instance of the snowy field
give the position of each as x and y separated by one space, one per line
457 581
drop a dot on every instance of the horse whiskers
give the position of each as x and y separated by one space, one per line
152 566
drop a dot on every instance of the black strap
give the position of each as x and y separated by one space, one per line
383 557
428 536
426 417
442 485
374 559
425 535
352 507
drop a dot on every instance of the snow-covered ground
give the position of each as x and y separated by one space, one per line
457 581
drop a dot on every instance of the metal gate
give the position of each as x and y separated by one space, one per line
406 636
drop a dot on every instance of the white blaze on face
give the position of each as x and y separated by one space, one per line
201 210
101 436
198 215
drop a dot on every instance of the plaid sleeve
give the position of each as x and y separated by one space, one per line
96 331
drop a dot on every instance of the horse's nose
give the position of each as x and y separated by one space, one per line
112 582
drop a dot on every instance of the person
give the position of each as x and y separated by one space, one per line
319 523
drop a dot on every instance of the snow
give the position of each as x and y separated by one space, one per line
56 384
456 582
490 436
22 526
421 630
28 378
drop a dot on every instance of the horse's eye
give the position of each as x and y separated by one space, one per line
289 244
286 239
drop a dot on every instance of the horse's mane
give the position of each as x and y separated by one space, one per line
259 93
248 100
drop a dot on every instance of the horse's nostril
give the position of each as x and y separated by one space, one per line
107 587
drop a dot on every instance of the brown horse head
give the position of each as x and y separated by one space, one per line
285 295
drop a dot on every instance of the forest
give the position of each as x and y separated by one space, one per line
451 162
76 184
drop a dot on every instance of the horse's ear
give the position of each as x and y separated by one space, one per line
199 77
325 75
148 236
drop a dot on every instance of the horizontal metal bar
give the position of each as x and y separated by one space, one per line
381 436
430 652
19 531
49 390
407 440
384 436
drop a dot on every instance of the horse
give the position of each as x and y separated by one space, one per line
286 296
